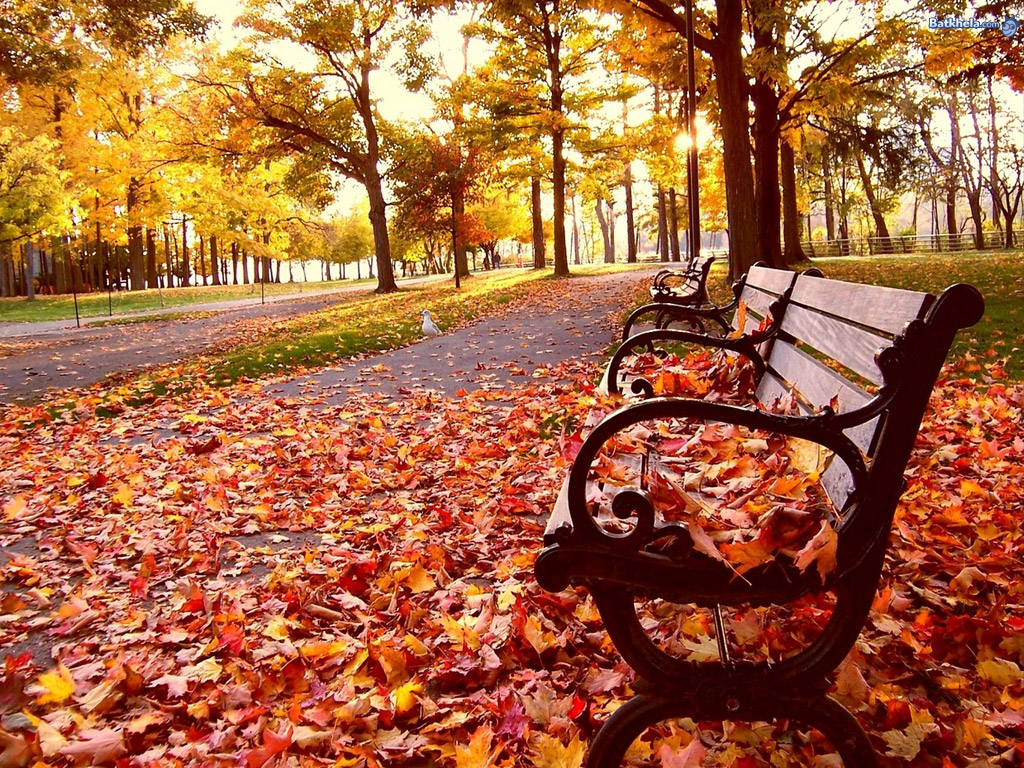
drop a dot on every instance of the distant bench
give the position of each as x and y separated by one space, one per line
672 290
856 365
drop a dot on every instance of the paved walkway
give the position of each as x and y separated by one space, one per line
575 318
36 358
568 318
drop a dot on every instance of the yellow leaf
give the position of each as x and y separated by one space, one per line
1000 672
404 697
419 580
51 741
277 628
124 495
807 457
537 637
206 671
551 753
479 753
58 684
416 646
459 634
15 507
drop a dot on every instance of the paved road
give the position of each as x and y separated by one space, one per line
572 319
575 318
39 357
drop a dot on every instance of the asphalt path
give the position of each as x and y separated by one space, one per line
575 319
40 358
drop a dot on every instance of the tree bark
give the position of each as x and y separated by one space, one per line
136 259
673 224
830 213
792 252
731 80
214 260
662 225
609 245
538 223
374 188
767 200
185 273
169 266
152 279
627 181
881 229
458 241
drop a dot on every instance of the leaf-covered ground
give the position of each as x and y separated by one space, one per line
225 578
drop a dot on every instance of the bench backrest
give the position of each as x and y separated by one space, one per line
833 340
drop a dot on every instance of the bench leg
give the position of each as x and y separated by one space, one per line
642 711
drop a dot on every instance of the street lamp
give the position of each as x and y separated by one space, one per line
692 186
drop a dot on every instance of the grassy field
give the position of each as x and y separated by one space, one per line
121 302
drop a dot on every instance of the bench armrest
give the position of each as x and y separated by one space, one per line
745 345
574 517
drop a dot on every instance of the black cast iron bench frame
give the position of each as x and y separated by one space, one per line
814 326
671 291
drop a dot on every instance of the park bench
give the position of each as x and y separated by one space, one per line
844 375
756 292
673 289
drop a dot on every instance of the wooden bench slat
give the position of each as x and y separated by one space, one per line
887 309
775 281
819 385
756 301
849 345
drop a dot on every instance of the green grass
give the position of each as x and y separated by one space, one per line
44 308
360 325
998 275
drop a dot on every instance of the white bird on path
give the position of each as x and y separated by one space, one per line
429 326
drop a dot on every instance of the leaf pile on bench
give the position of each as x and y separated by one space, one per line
744 497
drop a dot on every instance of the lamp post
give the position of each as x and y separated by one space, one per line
692 180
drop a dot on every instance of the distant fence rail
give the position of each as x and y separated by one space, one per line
905 244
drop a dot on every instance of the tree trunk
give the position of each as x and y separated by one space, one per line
733 92
792 252
538 223
951 173
881 229
245 268
185 275
374 188
830 212
214 260
606 238
458 241
662 225
28 259
202 257
575 234
767 200
558 166
234 263
169 266
993 179
673 224
151 274
136 257
627 180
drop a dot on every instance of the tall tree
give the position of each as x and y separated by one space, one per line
545 47
326 114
